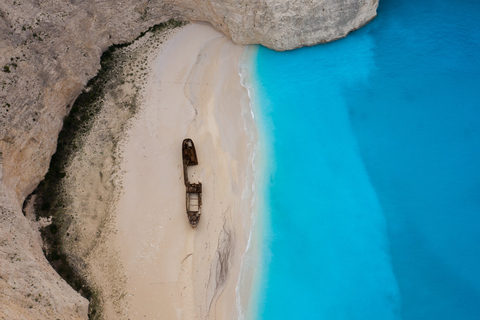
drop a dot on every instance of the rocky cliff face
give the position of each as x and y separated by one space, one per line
48 52
284 25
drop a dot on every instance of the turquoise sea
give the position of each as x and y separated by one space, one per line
371 180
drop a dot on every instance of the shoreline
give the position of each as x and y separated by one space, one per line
254 270
193 91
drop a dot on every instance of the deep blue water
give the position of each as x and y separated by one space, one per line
373 189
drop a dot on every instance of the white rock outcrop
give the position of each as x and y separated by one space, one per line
285 25
48 52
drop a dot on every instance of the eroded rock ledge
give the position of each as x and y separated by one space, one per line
48 52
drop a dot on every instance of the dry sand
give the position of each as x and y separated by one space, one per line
174 271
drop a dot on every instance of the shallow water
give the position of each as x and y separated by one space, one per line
373 186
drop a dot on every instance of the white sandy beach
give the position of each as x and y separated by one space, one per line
174 271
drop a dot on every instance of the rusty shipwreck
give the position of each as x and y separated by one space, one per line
193 190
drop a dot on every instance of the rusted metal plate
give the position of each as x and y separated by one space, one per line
189 153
